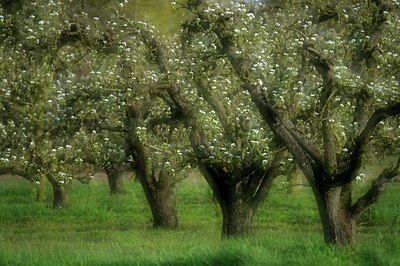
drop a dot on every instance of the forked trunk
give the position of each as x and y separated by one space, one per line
161 198
338 224
238 200
237 218
159 192
61 196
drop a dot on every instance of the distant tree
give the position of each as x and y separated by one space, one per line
116 103
82 100
37 138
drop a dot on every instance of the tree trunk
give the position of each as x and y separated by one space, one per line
237 218
61 196
41 189
158 185
159 189
338 224
160 194
162 202
238 200
163 207
115 180
293 180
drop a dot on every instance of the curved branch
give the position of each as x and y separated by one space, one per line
265 184
378 186
13 171
359 146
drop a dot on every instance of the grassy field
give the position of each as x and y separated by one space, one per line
100 229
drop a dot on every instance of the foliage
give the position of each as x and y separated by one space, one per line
323 94
36 91
241 81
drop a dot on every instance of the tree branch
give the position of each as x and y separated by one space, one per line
359 147
220 110
265 183
270 114
13 171
378 186
323 67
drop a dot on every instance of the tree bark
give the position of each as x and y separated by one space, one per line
115 181
161 197
163 208
338 223
237 218
239 194
41 189
61 196
158 185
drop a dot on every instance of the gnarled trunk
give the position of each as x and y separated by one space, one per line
238 200
157 183
160 194
237 218
60 193
338 223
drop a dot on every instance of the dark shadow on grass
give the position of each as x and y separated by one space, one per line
229 256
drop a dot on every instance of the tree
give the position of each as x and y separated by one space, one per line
323 94
238 160
114 102
158 150
76 99
37 138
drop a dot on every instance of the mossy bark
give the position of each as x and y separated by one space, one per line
41 189
163 208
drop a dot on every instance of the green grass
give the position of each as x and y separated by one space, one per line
100 229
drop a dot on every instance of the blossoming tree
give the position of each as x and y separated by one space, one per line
38 138
324 78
